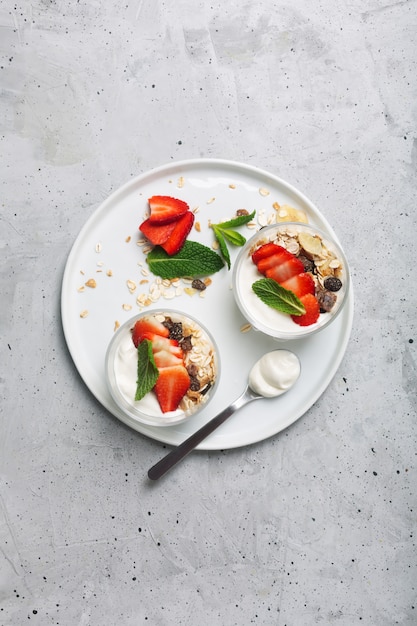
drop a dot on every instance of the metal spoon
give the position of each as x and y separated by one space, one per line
249 394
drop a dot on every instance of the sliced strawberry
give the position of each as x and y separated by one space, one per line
148 326
178 236
165 209
281 256
300 284
312 313
172 384
163 343
267 249
165 358
285 270
156 233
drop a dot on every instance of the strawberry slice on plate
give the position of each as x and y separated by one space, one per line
156 233
146 327
300 284
172 384
165 209
312 313
289 268
177 238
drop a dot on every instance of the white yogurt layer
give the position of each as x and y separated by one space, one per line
274 373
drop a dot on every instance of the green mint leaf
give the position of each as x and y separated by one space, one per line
223 231
237 221
234 237
194 259
222 244
147 371
277 297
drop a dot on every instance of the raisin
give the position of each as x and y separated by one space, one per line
240 212
332 283
198 284
186 344
326 300
192 369
194 384
308 263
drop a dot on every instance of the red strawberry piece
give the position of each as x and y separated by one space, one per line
273 260
285 270
163 343
300 284
312 313
172 384
165 358
267 249
148 326
165 209
156 233
177 238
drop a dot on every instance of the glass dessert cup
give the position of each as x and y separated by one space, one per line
202 360
323 258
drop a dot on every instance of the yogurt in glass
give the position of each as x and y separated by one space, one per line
328 260
122 364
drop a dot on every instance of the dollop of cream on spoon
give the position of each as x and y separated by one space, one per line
274 373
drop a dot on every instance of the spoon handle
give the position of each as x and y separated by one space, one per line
173 457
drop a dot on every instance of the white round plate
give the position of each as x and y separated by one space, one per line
107 251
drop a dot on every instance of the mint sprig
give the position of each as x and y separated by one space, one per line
194 259
277 297
224 232
147 371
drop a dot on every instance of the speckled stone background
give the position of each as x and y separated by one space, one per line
313 526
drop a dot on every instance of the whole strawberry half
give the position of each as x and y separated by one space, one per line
165 209
172 384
